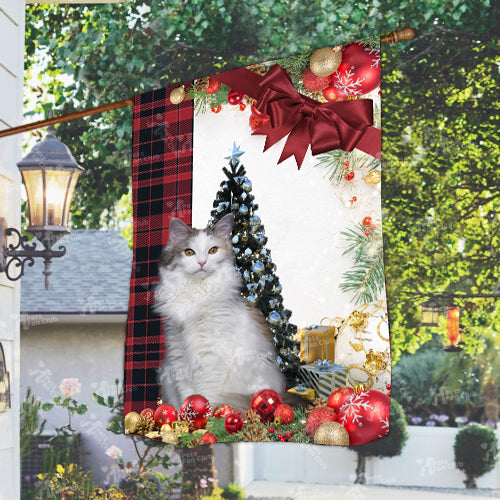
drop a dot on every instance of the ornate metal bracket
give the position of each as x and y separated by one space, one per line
16 257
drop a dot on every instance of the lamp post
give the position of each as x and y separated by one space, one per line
50 173
429 315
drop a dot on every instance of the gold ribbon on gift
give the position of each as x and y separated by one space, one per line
318 342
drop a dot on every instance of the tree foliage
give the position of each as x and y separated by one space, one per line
439 187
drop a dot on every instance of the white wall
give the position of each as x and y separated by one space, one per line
427 460
52 350
11 88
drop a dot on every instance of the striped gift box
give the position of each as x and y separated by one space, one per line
323 376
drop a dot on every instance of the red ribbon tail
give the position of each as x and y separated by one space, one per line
297 143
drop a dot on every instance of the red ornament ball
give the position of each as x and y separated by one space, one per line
367 232
338 397
332 93
222 411
165 414
234 97
243 106
285 413
313 82
317 417
148 413
257 121
213 86
264 403
365 416
367 221
233 423
349 176
359 72
208 438
216 109
195 410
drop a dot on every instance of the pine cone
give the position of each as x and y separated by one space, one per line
201 84
144 425
249 100
255 433
195 442
257 68
252 417
317 403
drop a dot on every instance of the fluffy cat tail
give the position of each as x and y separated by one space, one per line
241 402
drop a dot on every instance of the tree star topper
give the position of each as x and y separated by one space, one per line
234 154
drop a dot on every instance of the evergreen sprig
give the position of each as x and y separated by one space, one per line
295 65
366 278
204 102
371 41
333 162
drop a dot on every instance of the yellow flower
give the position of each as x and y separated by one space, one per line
60 469
40 476
70 468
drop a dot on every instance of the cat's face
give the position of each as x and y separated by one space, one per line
198 252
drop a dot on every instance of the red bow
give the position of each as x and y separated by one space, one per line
324 126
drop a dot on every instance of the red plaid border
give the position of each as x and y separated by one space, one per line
162 173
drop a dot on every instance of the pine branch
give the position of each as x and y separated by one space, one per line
204 102
295 65
372 41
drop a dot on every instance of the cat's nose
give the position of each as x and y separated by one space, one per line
202 263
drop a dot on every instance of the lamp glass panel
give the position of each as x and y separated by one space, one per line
71 191
34 191
55 195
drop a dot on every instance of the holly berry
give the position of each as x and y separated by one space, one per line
367 232
389 393
281 436
388 387
354 198
288 435
213 86
373 226
243 106
349 176
216 109
367 221
271 429
346 163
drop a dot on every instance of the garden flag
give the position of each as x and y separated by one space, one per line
257 297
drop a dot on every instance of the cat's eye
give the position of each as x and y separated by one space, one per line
189 252
213 250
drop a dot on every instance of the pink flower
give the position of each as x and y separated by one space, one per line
70 387
203 483
114 452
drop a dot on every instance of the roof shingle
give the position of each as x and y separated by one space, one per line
92 278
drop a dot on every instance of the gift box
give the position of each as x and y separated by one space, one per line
323 376
317 342
304 391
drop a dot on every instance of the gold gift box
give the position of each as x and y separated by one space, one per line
306 392
317 342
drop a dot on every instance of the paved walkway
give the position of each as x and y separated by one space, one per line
260 490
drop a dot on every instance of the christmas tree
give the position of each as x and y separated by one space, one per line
261 285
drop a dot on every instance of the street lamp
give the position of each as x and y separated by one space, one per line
429 313
50 173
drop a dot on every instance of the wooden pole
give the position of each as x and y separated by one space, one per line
66 118
394 37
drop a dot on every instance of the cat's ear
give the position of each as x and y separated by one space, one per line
224 227
178 230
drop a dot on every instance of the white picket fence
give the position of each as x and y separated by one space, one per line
427 460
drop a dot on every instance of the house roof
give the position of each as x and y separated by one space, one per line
92 278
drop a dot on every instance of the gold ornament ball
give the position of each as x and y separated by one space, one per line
331 433
199 432
177 95
325 61
131 419
170 437
374 177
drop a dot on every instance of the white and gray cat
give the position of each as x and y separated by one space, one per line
217 343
